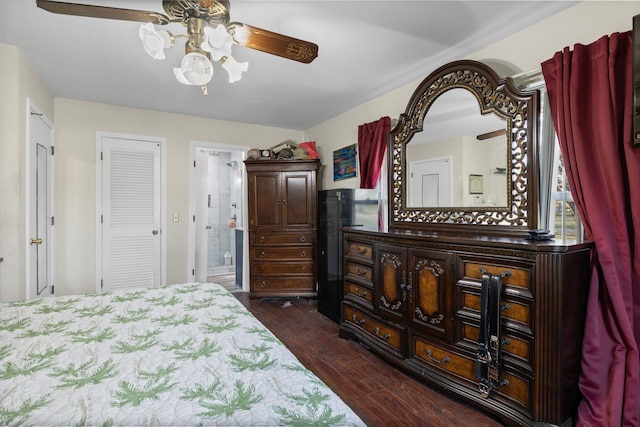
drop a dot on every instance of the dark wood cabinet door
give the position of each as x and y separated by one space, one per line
391 284
429 281
298 200
265 200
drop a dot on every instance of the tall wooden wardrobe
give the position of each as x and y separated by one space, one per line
282 227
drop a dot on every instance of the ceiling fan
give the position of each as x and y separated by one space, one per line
210 35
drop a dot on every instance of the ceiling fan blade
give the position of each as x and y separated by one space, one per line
277 44
102 12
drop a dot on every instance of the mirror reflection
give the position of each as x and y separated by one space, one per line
492 166
460 158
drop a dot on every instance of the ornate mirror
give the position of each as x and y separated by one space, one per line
463 154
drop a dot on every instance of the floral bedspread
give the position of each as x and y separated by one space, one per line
188 354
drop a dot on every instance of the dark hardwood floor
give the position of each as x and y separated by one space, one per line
378 392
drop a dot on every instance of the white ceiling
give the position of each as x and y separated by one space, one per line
366 48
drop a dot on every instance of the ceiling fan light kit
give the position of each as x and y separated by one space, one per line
209 36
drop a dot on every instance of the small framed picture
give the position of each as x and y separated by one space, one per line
344 163
475 184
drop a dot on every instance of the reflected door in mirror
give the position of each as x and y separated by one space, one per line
430 182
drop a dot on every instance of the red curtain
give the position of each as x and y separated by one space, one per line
590 92
372 143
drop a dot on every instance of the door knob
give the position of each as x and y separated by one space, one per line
154 232
36 241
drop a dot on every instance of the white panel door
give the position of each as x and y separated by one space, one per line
201 220
430 183
40 206
131 241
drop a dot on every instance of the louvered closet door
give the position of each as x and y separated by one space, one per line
131 209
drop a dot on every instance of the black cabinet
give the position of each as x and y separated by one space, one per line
338 208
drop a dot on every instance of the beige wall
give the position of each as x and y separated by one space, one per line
524 51
18 82
75 182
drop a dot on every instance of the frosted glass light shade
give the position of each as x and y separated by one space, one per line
234 68
154 42
218 42
195 69
240 33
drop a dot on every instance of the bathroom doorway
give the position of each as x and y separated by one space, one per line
218 199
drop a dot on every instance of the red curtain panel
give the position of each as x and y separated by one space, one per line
372 143
590 92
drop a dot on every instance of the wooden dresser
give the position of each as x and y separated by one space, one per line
415 299
282 227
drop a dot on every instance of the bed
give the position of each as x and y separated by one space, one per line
187 354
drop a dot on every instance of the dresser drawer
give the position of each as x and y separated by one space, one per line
362 251
260 239
282 254
520 273
374 329
358 293
516 312
516 347
358 271
282 268
518 390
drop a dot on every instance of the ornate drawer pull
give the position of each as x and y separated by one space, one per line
262 254
262 239
359 272
444 360
303 254
263 284
361 295
360 250
505 307
302 239
358 322
384 337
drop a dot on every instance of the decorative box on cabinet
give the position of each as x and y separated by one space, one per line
282 227
421 311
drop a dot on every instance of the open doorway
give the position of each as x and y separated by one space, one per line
217 217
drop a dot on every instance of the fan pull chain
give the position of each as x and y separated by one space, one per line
204 90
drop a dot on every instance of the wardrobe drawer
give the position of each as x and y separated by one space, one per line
358 293
268 284
282 268
281 254
360 250
359 271
375 330
283 238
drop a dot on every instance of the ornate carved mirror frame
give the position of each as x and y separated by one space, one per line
495 96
